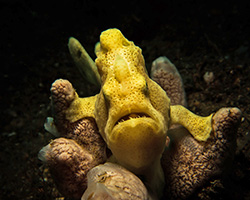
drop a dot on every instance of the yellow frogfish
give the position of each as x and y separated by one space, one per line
132 112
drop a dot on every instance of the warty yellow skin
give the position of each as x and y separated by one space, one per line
132 112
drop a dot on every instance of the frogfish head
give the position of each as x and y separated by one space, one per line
132 111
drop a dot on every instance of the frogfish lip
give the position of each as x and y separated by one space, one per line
133 115
136 139
135 120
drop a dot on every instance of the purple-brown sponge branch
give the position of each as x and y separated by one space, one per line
188 164
167 76
70 158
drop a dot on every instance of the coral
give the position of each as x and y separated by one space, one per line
167 76
132 115
188 163
69 164
80 149
111 181
84 130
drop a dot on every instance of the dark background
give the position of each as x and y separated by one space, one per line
197 37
